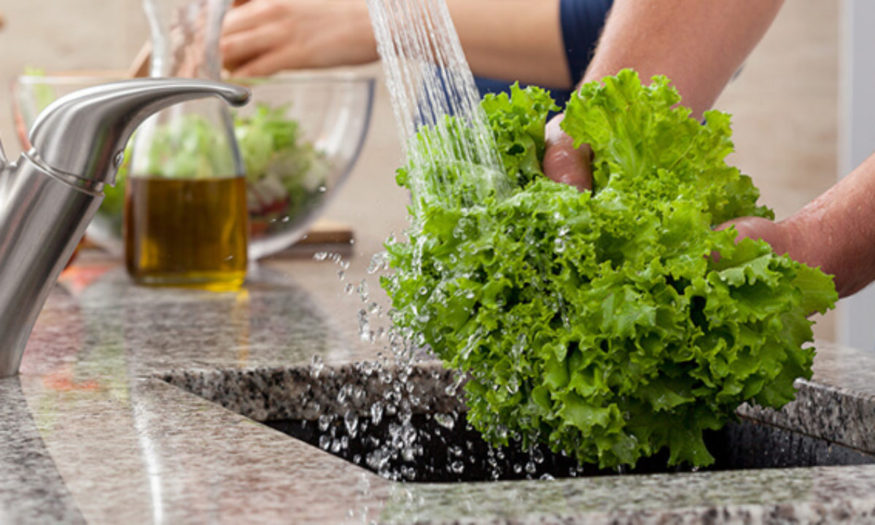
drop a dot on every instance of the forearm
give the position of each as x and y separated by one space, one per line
836 231
698 44
503 39
513 40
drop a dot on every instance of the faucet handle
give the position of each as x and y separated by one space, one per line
83 134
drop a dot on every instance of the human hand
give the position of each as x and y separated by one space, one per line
261 37
777 234
562 161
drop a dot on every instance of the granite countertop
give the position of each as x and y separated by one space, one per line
92 431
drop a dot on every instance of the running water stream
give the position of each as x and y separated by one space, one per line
429 79
430 85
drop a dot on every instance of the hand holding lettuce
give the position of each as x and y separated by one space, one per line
599 322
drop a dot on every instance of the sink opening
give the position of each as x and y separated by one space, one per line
447 454
410 426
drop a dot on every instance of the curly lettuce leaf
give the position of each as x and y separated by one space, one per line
598 322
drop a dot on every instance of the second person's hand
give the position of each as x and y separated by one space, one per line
262 37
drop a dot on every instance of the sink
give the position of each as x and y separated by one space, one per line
457 453
409 425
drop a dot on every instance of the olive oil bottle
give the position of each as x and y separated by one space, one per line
186 220
186 232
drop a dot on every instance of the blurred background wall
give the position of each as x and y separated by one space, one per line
784 103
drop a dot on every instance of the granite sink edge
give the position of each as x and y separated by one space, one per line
830 494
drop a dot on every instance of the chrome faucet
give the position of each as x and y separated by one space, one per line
49 195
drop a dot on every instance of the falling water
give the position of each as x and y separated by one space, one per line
401 420
429 79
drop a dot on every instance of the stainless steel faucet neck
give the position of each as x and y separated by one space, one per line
48 196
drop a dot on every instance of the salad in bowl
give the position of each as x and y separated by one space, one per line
298 138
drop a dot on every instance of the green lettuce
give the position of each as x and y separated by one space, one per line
284 171
600 322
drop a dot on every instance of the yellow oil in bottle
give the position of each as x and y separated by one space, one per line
186 232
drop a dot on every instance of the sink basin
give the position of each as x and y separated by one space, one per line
418 432
459 454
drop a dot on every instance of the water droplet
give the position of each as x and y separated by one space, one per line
445 420
359 394
362 290
316 366
351 421
379 261
457 467
320 256
364 326
453 388
376 413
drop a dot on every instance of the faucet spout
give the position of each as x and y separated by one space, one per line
105 116
48 196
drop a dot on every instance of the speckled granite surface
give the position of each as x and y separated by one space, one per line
92 432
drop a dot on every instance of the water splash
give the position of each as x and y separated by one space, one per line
429 80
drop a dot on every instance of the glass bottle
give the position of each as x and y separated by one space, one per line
186 222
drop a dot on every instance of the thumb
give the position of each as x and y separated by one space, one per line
759 228
562 161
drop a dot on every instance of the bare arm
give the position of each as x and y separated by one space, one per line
697 44
261 37
506 39
835 231
513 40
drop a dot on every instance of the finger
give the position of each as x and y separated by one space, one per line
242 47
245 17
562 161
269 63
758 228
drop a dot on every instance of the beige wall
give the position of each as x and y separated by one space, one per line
784 102
63 35
785 111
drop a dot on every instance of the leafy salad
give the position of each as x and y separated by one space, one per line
600 322
284 172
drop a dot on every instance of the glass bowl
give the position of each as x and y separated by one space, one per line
299 137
